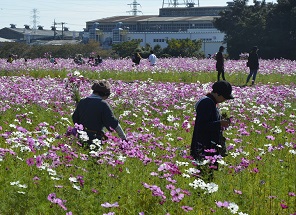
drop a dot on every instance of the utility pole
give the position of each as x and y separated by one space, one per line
54 29
62 23
54 26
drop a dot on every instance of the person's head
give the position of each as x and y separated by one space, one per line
221 49
222 91
151 52
102 88
254 49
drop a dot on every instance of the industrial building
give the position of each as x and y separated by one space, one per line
172 22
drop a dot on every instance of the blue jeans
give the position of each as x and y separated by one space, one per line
253 72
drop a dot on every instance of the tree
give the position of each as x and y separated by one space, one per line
281 27
243 25
126 48
183 48
272 27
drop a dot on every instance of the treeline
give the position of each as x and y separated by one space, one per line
23 50
271 27
175 48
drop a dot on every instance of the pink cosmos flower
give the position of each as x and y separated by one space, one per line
270 137
284 206
291 194
237 192
224 204
187 208
30 161
177 196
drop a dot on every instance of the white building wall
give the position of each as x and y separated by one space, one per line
212 38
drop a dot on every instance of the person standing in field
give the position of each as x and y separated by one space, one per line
95 114
207 138
220 63
253 64
136 58
152 58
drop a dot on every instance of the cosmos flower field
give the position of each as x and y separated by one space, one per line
45 170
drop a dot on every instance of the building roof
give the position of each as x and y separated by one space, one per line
55 42
3 40
151 18
44 32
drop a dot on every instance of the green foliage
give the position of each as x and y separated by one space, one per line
127 48
183 48
23 50
269 26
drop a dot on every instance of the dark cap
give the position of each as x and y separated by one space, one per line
101 86
223 88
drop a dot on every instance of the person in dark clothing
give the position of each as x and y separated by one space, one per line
94 113
209 124
253 64
98 60
220 63
136 58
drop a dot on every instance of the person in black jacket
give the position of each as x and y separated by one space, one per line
207 135
136 58
220 63
253 64
94 113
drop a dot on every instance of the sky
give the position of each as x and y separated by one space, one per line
75 13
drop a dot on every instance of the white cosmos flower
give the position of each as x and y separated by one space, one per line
83 135
22 185
292 151
97 142
170 118
92 146
192 170
73 179
21 192
51 171
185 175
211 188
178 163
121 158
77 187
233 207
222 162
176 124
14 183
56 179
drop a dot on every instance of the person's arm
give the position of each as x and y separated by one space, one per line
110 120
120 132
75 115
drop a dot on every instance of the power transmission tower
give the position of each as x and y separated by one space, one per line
135 10
34 11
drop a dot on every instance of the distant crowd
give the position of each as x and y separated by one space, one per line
252 63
